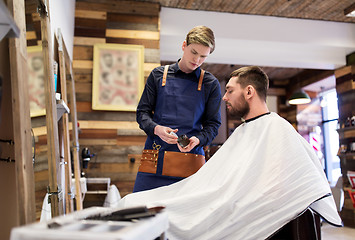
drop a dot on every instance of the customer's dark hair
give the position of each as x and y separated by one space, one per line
254 76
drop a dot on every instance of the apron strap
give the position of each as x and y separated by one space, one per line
165 74
200 80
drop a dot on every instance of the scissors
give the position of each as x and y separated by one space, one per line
156 146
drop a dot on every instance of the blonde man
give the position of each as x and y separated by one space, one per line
179 100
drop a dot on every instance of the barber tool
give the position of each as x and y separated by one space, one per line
156 146
128 214
95 222
174 134
183 140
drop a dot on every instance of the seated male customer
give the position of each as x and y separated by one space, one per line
264 176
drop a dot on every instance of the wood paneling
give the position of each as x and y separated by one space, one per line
84 107
91 14
87 41
108 124
132 26
113 136
83 53
89 32
113 168
134 34
98 142
90 23
83 77
147 43
124 7
31 35
129 18
82 64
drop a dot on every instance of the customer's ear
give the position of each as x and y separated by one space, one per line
250 91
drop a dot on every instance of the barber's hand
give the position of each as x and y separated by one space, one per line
194 141
164 134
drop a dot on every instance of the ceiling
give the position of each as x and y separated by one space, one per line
269 33
326 15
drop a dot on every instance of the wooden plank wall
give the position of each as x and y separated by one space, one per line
114 137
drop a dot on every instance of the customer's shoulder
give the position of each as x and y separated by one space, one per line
280 123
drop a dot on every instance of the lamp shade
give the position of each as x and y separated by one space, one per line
299 97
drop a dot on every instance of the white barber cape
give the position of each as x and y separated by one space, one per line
262 177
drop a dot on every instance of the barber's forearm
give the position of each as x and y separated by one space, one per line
210 127
146 123
207 134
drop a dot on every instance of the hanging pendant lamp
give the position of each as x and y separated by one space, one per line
299 97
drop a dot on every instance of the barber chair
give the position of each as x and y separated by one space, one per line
304 227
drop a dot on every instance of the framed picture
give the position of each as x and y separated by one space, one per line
352 196
351 177
118 77
36 81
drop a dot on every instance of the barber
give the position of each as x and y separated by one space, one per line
180 99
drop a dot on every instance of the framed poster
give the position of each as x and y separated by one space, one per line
352 196
118 77
351 177
36 81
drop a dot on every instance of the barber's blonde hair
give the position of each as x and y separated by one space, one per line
201 35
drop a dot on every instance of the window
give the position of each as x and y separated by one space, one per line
330 114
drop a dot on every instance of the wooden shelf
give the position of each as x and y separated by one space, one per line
347 155
345 86
346 129
346 132
97 189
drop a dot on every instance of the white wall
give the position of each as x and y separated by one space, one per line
62 15
271 102
261 40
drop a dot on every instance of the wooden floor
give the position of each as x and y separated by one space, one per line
335 233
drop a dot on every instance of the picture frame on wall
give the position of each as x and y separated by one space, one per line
36 81
351 177
118 76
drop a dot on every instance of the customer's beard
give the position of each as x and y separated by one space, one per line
241 111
